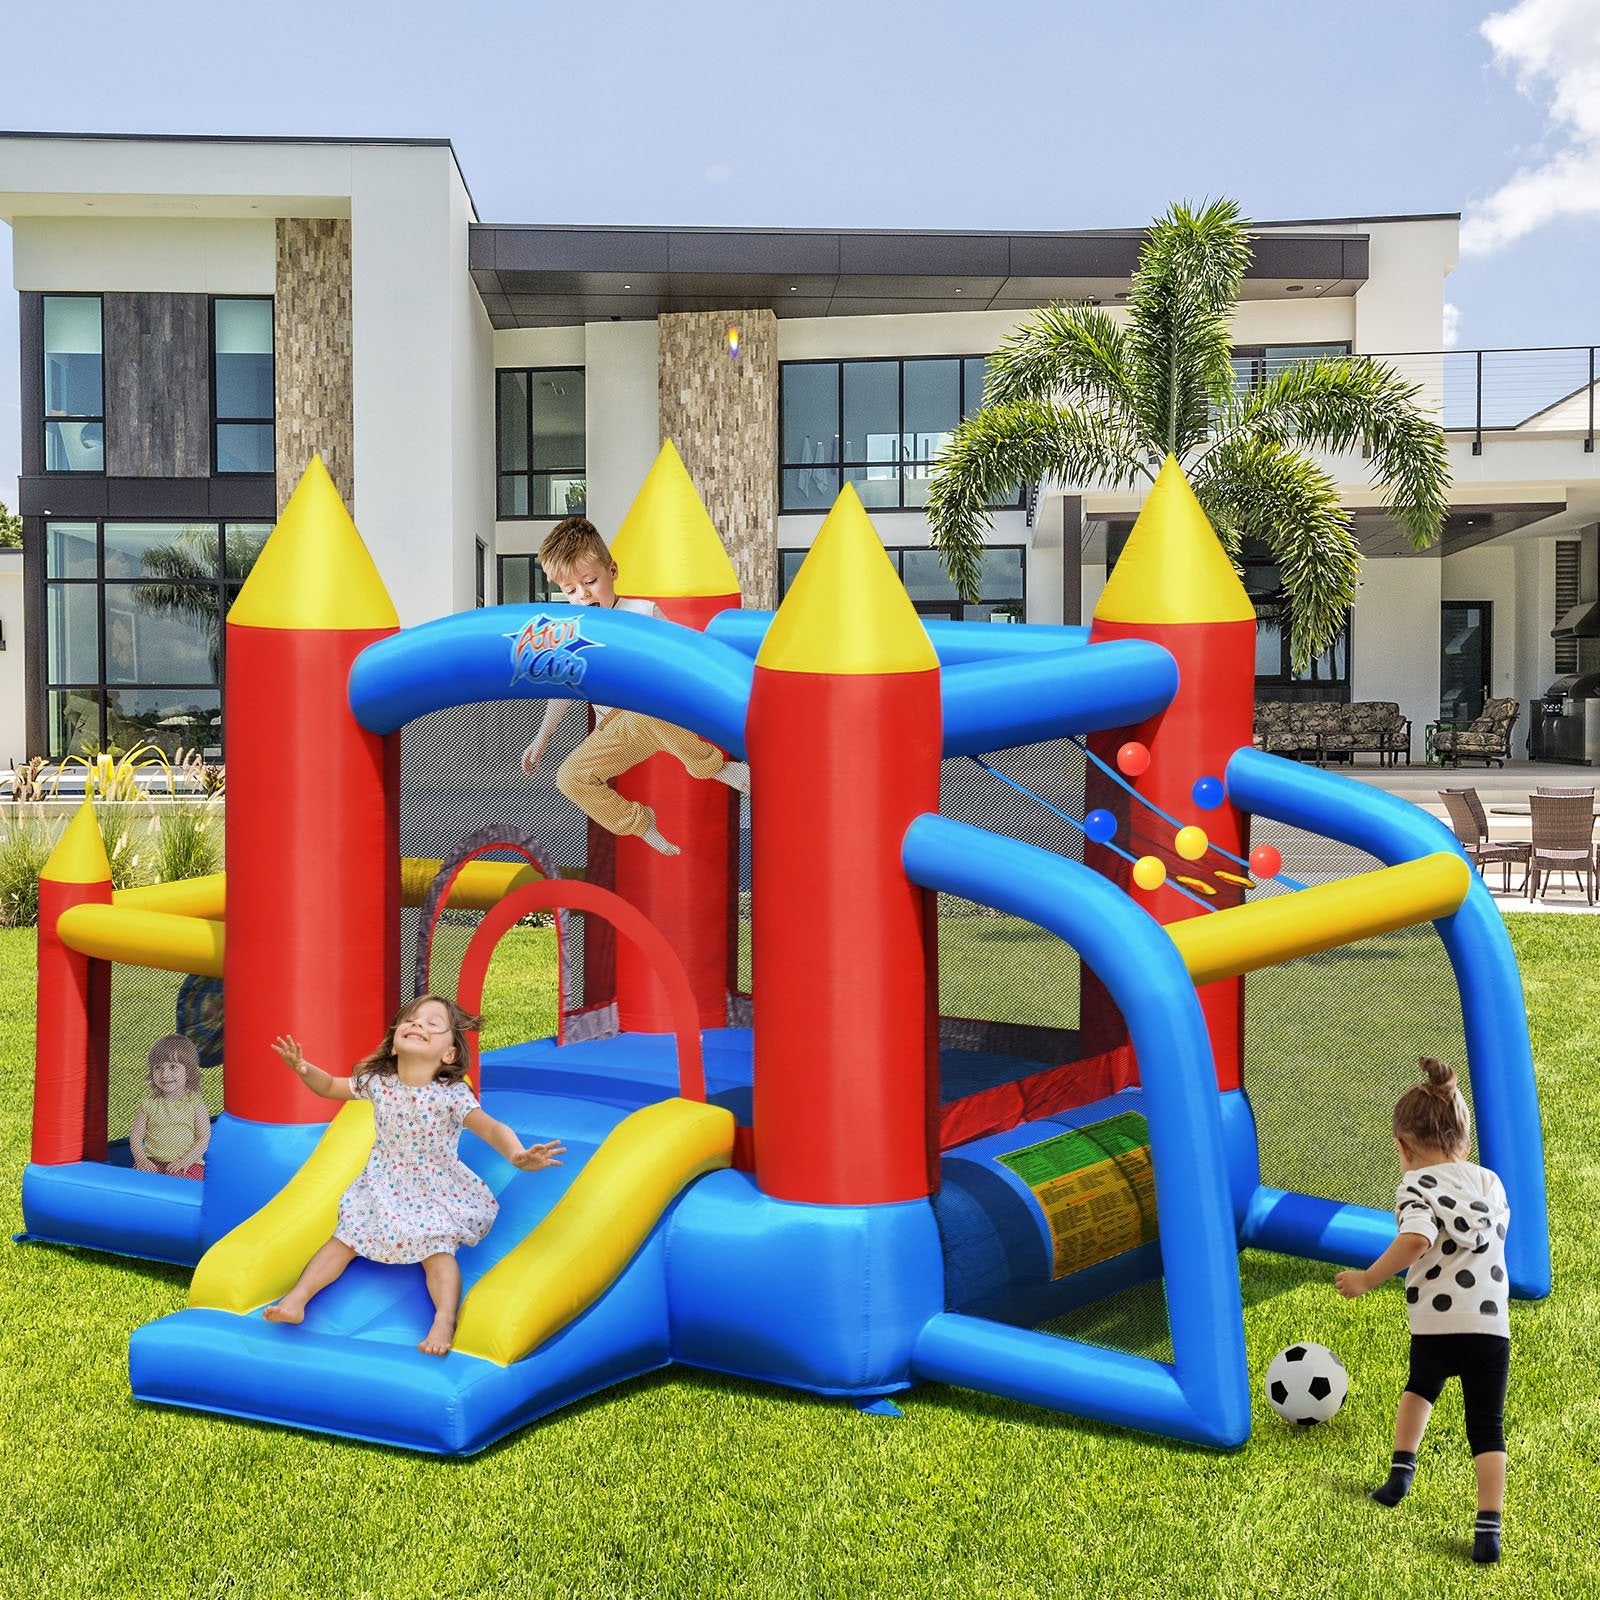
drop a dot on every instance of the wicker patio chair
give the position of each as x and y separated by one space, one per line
1471 826
1585 792
1486 739
1563 840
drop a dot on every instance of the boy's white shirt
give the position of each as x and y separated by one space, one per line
1459 1284
643 608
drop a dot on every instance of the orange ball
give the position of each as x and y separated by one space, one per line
1133 759
1149 873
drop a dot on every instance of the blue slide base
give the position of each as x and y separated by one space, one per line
147 1215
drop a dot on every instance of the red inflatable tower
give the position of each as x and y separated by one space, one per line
667 550
313 850
844 736
1175 586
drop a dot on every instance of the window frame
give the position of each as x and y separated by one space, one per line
839 467
46 416
217 421
952 607
224 585
530 472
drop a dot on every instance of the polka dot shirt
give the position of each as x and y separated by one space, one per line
1459 1283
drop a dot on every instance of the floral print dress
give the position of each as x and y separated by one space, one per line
415 1196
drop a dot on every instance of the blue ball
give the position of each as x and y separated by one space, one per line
1100 826
1208 793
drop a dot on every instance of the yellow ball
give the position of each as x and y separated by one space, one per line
1149 873
1191 843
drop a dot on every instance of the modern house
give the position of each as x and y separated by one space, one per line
200 315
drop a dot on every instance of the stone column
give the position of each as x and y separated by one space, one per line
312 350
721 411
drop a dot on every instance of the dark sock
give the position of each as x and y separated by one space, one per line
1393 1488
1486 1537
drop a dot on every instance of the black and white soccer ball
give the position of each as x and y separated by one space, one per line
1306 1384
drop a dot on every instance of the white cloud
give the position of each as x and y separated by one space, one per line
1553 47
1452 325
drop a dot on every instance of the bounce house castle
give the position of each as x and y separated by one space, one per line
824 1183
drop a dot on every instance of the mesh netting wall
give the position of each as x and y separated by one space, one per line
998 969
461 776
147 1005
1332 1040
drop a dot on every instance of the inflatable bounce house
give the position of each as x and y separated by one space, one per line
815 1177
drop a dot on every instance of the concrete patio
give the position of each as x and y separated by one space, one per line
1509 785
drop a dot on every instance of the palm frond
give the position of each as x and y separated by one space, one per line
1179 320
1076 352
1344 403
1260 488
1002 446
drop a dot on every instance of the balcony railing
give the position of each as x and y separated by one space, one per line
1541 391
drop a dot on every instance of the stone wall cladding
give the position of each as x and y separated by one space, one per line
721 411
312 347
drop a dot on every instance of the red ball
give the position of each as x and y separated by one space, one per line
1266 861
1133 758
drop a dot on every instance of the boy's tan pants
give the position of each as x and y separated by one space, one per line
622 740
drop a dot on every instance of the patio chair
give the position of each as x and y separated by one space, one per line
1563 840
1584 792
1486 739
1471 825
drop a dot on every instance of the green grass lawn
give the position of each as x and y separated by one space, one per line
688 1485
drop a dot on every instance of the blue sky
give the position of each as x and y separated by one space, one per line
1009 114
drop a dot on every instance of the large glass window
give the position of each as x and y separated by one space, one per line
520 580
539 442
1327 677
242 385
1253 365
74 384
134 617
1002 590
878 424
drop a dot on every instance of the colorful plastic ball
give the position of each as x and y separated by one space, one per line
1207 793
1191 843
1133 758
733 343
1266 861
1149 873
1100 826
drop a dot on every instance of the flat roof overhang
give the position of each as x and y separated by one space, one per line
533 276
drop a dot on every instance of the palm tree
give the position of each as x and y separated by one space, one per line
185 574
1077 396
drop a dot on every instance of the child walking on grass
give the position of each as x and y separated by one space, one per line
172 1127
415 1200
575 558
1452 1218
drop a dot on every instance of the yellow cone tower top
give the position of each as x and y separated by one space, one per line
1173 567
314 572
80 852
668 546
847 611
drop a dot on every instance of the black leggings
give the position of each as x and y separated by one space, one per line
1481 1361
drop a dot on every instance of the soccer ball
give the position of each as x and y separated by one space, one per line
1306 1384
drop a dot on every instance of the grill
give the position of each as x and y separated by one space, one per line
1565 724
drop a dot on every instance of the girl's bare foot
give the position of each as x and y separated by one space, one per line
439 1338
283 1311
736 774
656 842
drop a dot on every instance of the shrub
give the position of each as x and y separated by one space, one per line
25 846
125 827
188 842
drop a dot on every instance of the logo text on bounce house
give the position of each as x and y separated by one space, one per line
545 649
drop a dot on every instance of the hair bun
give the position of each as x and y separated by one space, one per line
1441 1075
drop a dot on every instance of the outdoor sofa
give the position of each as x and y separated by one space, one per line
1322 730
